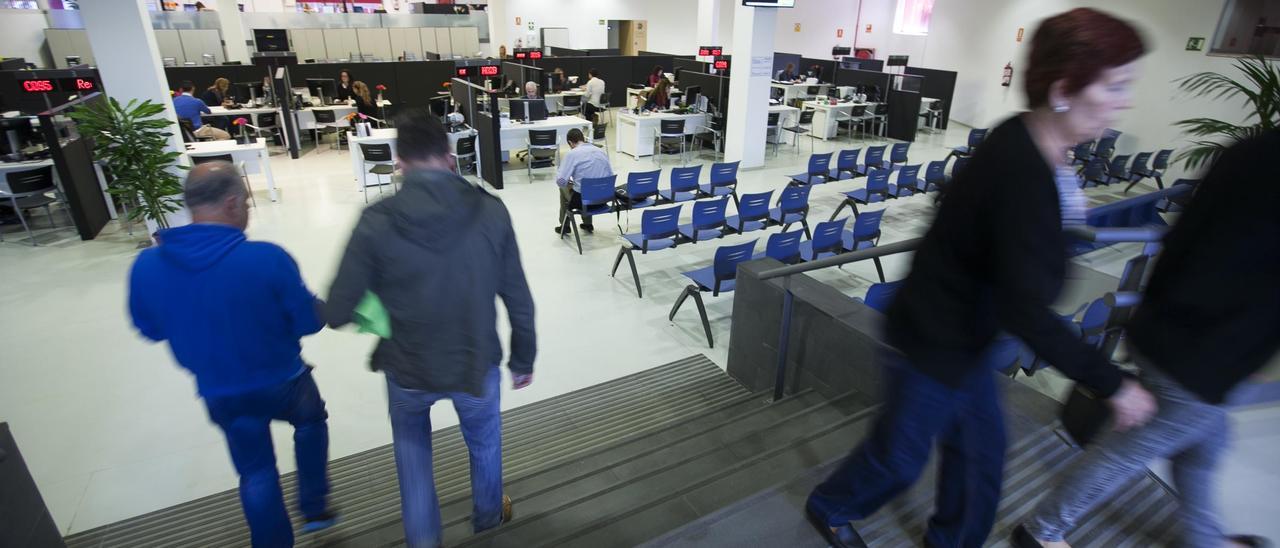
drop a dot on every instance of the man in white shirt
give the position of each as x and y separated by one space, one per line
584 161
595 94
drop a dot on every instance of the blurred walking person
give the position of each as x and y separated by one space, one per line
994 259
233 311
437 254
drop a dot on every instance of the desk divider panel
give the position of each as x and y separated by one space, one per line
904 114
780 61
938 84
828 67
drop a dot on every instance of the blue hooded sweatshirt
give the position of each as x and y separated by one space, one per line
232 310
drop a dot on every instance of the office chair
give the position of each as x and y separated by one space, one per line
383 164
31 189
544 150
600 135
772 129
326 124
570 104
803 126
270 125
712 133
670 132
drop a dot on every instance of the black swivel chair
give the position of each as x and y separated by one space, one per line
600 135
772 129
544 150
269 125
670 135
379 162
570 104
712 133
326 124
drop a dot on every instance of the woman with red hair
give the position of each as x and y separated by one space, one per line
994 260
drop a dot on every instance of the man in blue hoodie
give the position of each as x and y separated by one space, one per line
233 312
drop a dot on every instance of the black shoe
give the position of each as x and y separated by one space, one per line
588 227
1253 541
1021 538
320 523
844 536
562 230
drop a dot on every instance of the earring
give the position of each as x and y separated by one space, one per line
1061 108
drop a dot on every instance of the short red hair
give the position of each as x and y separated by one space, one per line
1076 46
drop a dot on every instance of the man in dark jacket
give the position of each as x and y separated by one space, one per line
233 311
437 254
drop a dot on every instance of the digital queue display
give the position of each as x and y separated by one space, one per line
710 51
485 71
67 85
720 64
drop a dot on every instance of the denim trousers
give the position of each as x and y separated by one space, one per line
246 421
1188 431
481 425
968 425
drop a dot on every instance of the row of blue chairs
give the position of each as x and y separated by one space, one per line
1098 172
908 183
829 238
820 170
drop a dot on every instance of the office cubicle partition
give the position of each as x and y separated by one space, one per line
565 52
780 61
604 52
938 84
616 70
522 74
469 99
874 65
73 161
827 66
690 65
715 87
904 115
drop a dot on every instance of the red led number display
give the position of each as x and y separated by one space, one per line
491 70
535 55
721 64
84 85
37 86
464 72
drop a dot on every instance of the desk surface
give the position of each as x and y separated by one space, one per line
799 84
659 116
206 148
377 134
828 105
224 111
553 122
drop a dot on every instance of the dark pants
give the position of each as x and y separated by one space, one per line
481 424
246 421
571 199
969 427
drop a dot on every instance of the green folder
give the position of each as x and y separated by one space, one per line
371 317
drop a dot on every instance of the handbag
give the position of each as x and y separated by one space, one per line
1084 415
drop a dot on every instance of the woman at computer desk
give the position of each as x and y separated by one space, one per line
364 103
216 95
659 98
655 76
345 84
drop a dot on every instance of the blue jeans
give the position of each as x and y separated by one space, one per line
968 425
246 419
481 425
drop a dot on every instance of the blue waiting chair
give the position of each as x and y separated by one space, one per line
935 176
819 169
880 296
717 278
865 235
898 154
659 229
783 247
1176 204
724 182
1089 323
1095 173
793 207
642 189
753 213
827 240
708 221
908 180
1081 154
598 197
1156 171
846 165
874 160
684 184
976 136
1104 149
1118 170
878 190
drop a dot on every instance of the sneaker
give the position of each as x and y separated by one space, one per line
840 537
320 523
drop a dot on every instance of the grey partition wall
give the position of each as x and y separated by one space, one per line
938 84
716 88
827 66
904 113
521 74
689 65
863 78
468 97
780 61
565 52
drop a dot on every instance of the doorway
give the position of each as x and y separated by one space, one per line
633 36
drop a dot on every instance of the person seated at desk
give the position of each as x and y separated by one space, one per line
216 95
345 85
655 76
531 91
364 103
815 72
189 108
595 95
584 161
559 82
660 97
787 74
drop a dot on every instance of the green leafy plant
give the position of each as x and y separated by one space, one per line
132 139
1260 88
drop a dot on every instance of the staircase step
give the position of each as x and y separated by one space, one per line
644 489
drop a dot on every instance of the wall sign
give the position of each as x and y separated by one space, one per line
797 27
1195 43
530 25
1020 31
38 86
839 33
868 28
720 64
518 21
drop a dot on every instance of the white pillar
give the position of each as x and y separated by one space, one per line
233 35
127 57
709 23
749 85
498 28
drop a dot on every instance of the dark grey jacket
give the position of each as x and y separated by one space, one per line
437 254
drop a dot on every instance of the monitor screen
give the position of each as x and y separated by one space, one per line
532 110
769 3
897 61
326 88
691 95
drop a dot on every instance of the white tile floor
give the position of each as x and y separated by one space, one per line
111 427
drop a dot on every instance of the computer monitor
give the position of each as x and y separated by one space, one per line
691 95
841 50
531 110
324 88
243 92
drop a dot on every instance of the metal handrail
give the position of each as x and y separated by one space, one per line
843 259
1143 234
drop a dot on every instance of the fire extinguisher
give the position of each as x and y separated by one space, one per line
1008 75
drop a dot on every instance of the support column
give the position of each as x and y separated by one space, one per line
749 84
498 28
233 33
709 23
127 57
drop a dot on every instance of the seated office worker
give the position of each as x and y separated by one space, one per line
346 85
584 161
660 97
189 108
787 74
244 309
594 95
531 91
438 254
364 103
216 95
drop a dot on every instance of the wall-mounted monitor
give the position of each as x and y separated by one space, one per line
710 51
769 3
841 50
271 39
896 61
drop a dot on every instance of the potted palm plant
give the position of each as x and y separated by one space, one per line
132 139
1260 87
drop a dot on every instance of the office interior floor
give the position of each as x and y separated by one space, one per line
111 427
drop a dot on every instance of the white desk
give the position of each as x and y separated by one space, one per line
787 117
515 136
255 157
555 102
791 92
306 117
385 136
826 116
636 132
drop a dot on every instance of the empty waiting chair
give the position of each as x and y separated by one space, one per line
1081 153
641 189
709 220
1095 173
724 181
753 213
783 247
846 165
827 240
865 234
684 184
898 154
818 172
908 181
976 136
1117 169
878 189
1156 171
659 229
793 207
874 160
1104 149
935 176
880 296
717 278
